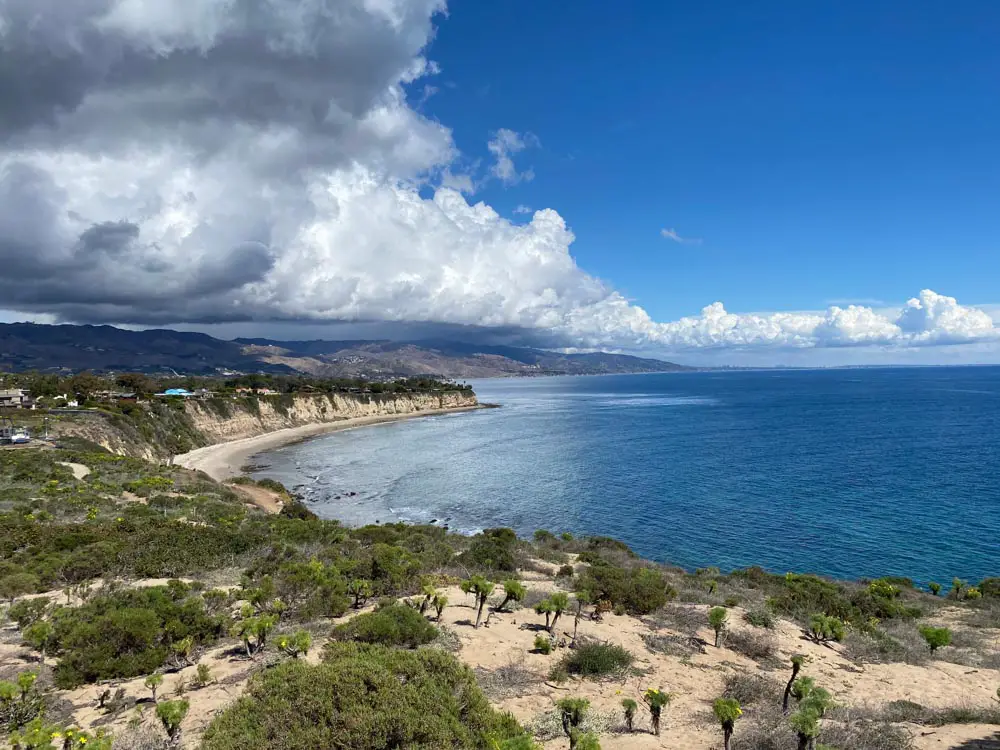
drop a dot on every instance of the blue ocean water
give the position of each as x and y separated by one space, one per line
847 473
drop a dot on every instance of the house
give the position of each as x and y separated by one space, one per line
175 393
204 393
267 392
242 391
15 398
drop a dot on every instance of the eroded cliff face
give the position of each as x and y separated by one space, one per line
276 413
159 430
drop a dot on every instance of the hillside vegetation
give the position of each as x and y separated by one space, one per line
147 606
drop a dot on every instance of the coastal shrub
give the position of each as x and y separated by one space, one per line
128 633
760 617
639 590
20 702
825 628
492 551
393 625
543 644
935 637
595 660
364 698
751 689
752 644
990 587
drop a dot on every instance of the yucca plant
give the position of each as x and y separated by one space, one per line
153 683
797 661
513 591
717 618
560 603
171 714
630 707
655 701
727 711
440 602
481 589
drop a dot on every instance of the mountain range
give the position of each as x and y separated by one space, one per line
72 348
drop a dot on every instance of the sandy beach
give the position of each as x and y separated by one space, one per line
222 461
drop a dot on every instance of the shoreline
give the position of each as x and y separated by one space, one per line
223 461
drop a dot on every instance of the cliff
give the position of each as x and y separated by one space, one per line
159 430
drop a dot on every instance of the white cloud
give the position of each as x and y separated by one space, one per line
246 161
672 235
504 144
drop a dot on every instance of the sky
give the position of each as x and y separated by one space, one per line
724 183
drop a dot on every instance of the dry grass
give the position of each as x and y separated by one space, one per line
548 726
679 618
768 729
509 681
753 689
760 646
673 645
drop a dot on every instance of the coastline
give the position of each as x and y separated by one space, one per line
223 461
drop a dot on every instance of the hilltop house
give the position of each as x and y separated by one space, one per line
14 398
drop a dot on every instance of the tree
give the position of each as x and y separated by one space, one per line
826 628
656 700
153 683
481 589
935 637
513 591
630 707
85 384
361 590
560 602
136 382
797 661
727 711
572 711
717 618
253 630
935 588
171 714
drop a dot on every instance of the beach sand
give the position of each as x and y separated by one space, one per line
223 461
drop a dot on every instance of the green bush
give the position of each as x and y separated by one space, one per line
127 634
364 698
597 660
492 551
760 618
543 644
639 590
824 628
393 625
935 637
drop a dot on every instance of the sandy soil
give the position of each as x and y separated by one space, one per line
79 470
265 499
224 460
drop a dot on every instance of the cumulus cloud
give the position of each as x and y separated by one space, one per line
504 144
209 161
673 236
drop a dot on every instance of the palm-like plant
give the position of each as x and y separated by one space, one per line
797 661
544 607
153 683
572 711
513 591
812 707
727 711
717 618
630 707
361 590
440 602
560 603
429 593
481 589
655 701
171 714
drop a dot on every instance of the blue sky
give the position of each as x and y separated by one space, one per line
822 152
728 182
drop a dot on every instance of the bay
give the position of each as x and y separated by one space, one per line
847 473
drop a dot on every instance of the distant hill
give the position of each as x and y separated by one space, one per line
29 346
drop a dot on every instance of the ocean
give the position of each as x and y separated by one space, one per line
847 473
